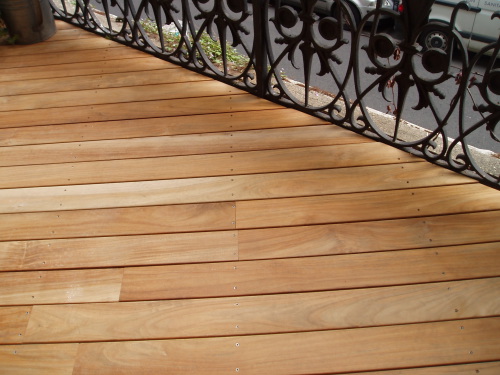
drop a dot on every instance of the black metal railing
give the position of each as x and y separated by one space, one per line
372 73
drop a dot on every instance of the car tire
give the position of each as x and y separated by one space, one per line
355 13
435 37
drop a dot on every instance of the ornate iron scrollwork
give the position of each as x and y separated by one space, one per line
328 61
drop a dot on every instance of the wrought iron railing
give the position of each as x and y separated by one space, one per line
369 74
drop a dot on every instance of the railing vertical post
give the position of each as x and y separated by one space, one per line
260 45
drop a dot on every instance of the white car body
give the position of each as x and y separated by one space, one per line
362 7
366 6
475 25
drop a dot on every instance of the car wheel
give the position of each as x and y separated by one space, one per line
435 38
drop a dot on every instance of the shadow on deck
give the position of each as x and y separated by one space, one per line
154 221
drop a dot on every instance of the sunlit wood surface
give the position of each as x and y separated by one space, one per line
155 221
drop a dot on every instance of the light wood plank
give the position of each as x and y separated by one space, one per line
62 25
70 33
301 353
209 143
51 87
73 286
133 110
139 63
13 323
154 127
226 188
367 206
485 368
118 95
38 359
117 221
311 274
119 251
294 159
369 236
115 51
264 314
46 48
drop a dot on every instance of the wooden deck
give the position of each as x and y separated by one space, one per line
154 221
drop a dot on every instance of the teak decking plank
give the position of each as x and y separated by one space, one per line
119 251
118 221
115 51
368 236
252 244
207 143
13 323
192 166
61 46
300 353
310 274
307 252
485 368
41 359
73 286
19 89
366 206
133 110
155 127
226 188
61 100
68 34
74 69
262 314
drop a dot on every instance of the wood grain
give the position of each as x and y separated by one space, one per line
73 286
69 34
154 127
310 274
61 25
141 62
244 162
133 110
226 188
158 222
119 251
264 314
115 51
316 352
125 94
486 368
369 236
208 143
117 221
61 46
19 90
13 323
367 206
38 359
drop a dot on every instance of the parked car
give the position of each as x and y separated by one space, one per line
359 8
475 25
